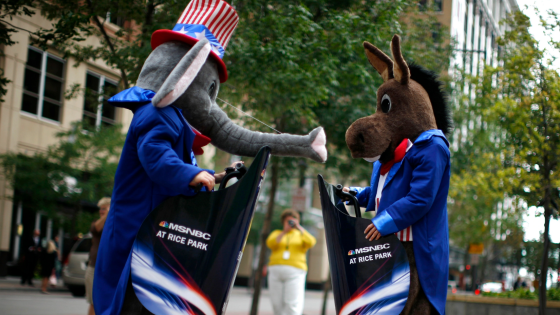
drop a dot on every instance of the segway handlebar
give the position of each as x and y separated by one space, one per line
238 171
350 197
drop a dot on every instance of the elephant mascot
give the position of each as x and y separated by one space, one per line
175 114
411 169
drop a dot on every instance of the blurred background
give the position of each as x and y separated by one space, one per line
294 65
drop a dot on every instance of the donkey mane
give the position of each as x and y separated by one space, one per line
438 97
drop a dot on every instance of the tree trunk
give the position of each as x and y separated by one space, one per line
465 271
558 268
264 234
544 264
326 290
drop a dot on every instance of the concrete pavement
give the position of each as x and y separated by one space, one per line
13 284
240 301
24 300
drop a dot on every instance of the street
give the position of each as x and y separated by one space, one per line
19 300
34 302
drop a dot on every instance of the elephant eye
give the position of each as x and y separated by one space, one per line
385 103
212 88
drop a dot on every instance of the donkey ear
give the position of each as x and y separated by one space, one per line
400 68
381 62
182 75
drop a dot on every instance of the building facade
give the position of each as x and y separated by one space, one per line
475 26
35 109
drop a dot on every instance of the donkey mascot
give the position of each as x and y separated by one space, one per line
175 114
410 180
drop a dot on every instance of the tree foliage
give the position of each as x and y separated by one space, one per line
298 65
73 22
508 158
77 170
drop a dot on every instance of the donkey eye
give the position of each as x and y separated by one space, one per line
385 103
212 88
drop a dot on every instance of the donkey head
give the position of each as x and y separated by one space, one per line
404 106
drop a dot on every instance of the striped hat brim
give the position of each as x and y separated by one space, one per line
161 36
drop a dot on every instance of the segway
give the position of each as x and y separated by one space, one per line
368 277
187 251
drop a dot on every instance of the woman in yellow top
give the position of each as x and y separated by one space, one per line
288 264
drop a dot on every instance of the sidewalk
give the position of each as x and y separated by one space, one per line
13 284
240 299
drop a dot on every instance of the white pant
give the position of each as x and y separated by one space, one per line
287 289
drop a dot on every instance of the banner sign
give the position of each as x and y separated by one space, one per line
368 277
187 252
476 248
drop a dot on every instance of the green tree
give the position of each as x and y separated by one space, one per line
298 65
531 257
521 98
75 21
479 209
79 169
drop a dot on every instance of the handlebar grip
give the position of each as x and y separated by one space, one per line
197 188
349 196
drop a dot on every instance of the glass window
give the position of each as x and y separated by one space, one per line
32 80
29 104
422 5
114 17
55 67
51 110
53 89
83 246
438 5
109 90
43 84
98 90
34 58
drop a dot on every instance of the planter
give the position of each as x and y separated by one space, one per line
481 305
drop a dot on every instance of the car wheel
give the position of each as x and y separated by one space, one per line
77 291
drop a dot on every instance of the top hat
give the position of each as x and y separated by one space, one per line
212 19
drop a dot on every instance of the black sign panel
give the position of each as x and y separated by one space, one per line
368 277
186 254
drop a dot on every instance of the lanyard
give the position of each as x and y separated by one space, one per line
287 240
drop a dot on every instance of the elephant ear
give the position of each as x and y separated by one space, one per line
182 75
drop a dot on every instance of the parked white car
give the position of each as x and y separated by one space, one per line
451 284
495 287
74 271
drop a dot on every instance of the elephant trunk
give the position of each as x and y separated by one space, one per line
234 139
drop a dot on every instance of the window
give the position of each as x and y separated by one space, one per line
114 17
436 30
422 5
438 5
96 109
43 84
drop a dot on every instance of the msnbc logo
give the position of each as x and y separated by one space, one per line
351 252
164 224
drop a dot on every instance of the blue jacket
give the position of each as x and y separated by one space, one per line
154 165
415 193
